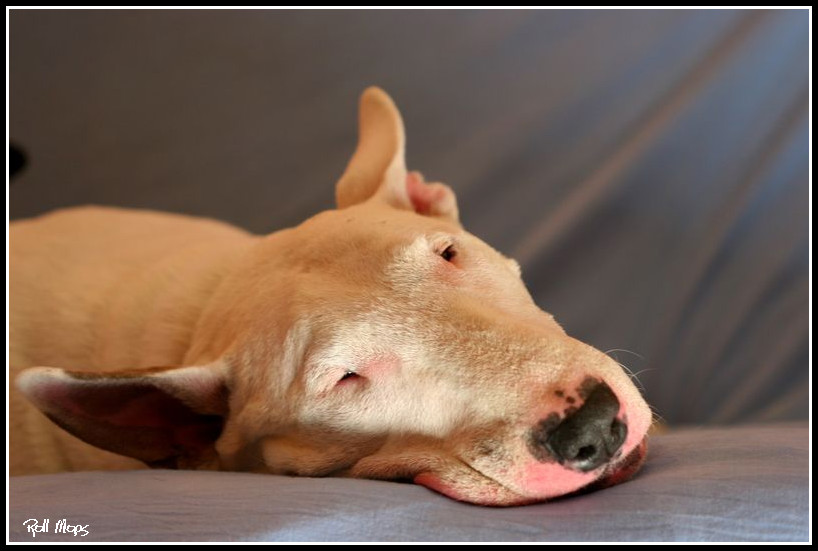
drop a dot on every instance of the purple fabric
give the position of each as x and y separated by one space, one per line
746 483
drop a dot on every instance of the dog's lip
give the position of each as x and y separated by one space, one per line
624 469
492 493
502 495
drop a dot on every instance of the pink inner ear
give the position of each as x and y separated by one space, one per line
421 195
129 404
128 416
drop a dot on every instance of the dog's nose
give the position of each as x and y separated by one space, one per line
588 437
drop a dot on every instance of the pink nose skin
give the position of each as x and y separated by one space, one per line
586 438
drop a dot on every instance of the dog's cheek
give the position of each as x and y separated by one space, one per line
321 454
293 457
233 451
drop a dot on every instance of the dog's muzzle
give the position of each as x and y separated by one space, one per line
585 438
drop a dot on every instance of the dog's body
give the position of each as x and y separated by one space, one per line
83 300
378 340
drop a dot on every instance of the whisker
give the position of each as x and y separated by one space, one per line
655 411
657 418
629 371
632 375
644 371
641 357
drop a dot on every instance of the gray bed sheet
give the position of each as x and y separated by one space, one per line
747 483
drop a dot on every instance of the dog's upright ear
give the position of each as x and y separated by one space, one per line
377 170
166 417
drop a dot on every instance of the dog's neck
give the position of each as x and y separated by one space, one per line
174 297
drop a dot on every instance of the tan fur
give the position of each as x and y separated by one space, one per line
455 361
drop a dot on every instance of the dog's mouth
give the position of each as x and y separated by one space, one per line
473 486
623 470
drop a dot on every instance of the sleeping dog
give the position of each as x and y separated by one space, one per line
376 340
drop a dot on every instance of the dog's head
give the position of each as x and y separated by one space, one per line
379 340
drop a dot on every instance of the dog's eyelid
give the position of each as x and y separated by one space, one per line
348 374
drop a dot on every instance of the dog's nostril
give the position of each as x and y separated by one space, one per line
586 452
587 437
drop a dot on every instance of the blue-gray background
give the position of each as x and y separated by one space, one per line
649 169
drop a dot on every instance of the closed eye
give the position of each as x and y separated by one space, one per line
348 375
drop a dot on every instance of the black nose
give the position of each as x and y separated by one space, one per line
588 437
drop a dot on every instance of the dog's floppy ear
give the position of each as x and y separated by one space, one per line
377 170
166 417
